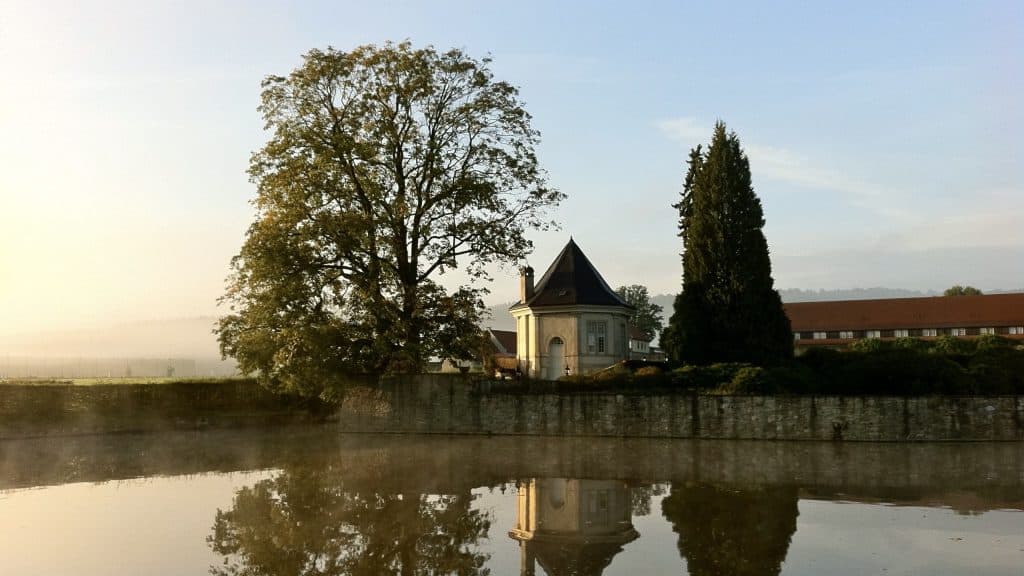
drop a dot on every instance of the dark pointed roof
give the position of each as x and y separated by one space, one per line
572 280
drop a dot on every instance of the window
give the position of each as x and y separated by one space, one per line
929 332
623 345
796 335
596 336
820 335
958 331
901 333
846 334
873 334
1017 330
988 331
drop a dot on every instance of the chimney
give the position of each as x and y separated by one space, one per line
525 284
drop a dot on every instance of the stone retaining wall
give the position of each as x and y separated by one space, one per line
446 404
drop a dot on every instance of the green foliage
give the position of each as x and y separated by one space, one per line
988 341
868 345
912 344
903 367
386 167
648 371
698 377
952 345
959 290
729 310
647 316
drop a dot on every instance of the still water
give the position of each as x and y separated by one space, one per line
311 501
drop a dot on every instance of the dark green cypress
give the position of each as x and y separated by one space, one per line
729 310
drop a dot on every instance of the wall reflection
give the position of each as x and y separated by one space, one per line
570 526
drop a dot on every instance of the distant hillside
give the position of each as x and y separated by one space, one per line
800 295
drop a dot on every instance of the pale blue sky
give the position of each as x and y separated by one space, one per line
884 138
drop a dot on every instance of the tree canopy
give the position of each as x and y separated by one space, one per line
959 290
647 316
729 310
386 167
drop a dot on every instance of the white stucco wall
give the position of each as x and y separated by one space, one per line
535 330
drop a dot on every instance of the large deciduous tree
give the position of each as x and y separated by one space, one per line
646 316
385 168
729 310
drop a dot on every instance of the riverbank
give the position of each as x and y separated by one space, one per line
458 404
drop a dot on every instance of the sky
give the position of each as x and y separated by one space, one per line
884 137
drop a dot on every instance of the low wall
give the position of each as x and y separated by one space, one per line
453 404
28 410
456 404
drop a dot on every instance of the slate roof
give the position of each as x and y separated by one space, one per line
990 310
572 280
506 340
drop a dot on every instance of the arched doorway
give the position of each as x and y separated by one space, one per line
556 358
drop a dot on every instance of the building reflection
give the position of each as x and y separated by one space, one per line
570 526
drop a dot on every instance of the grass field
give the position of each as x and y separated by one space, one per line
114 381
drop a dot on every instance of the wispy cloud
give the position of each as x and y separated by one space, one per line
772 162
686 129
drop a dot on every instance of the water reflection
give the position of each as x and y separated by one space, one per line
308 522
570 526
320 503
726 530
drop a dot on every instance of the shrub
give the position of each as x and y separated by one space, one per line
793 378
998 370
912 344
648 371
990 341
704 377
951 345
869 345
748 380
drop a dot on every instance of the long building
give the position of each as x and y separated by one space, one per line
839 323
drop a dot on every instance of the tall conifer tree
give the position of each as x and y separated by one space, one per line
729 310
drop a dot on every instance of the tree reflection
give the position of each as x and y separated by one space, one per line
727 531
304 522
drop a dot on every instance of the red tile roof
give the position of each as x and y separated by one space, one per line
990 310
